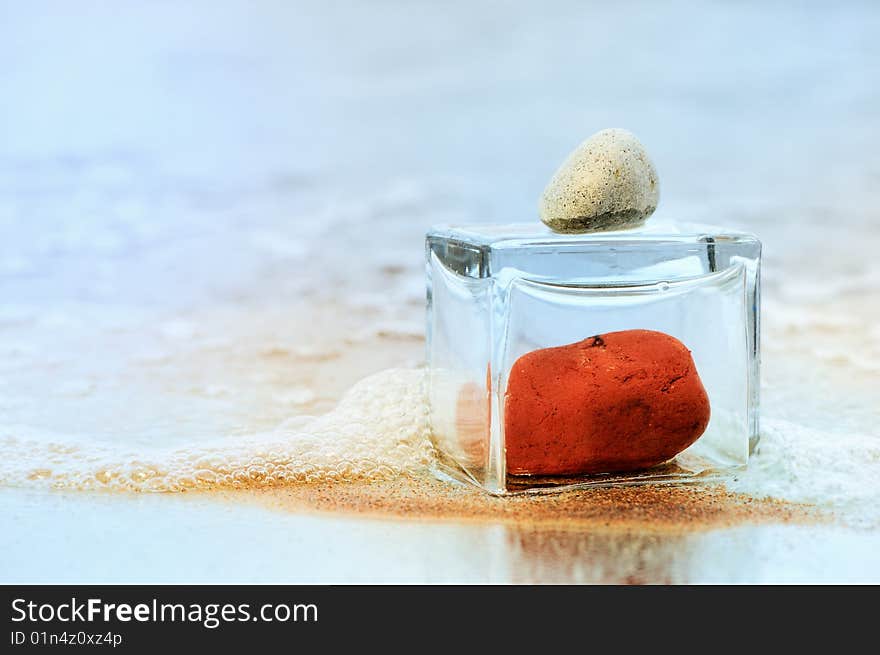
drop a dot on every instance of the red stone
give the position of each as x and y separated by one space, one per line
614 402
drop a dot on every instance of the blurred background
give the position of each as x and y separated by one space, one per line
164 162
212 213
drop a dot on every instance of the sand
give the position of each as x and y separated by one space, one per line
651 508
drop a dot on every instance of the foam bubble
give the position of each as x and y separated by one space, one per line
831 469
377 432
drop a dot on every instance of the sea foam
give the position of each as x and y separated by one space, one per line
377 432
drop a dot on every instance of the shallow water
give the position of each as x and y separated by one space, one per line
210 235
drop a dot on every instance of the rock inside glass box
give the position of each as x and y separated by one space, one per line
561 360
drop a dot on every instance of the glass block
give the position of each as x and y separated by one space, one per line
497 292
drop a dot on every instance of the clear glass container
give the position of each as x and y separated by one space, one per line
497 292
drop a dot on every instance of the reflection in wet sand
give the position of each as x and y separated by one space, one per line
636 535
597 557
215 537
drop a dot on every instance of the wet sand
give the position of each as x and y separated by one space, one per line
651 508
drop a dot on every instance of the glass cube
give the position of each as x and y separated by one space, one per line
497 292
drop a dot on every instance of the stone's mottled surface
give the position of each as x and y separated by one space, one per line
620 401
607 183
